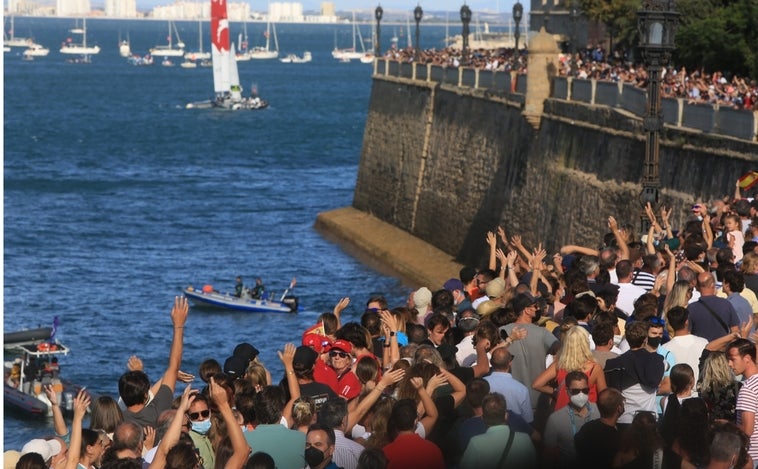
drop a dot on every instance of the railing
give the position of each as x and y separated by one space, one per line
491 81
677 112
714 119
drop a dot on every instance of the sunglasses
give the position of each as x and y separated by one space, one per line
335 353
197 415
574 392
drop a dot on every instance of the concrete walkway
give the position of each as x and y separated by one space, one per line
387 248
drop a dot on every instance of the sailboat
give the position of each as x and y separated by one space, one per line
71 47
124 50
36 50
226 81
351 53
266 52
169 50
199 54
12 41
242 52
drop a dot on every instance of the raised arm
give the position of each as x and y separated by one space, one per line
388 379
390 326
178 318
58 422
574 249
174 430
240 448
620 240
81 402
665 224
516 242
459 389
707 230
287 357
338 308
430 410
536 265
492 242
541 381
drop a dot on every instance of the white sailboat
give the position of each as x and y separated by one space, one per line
199 54
169 50
11 40
351 53
124 50
242 42
71 47
266 52
226 82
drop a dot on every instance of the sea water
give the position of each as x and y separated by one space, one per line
116 197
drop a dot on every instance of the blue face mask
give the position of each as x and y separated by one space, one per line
202 426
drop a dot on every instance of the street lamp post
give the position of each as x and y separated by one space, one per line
418 13
465 19
656 23
378 44
518 13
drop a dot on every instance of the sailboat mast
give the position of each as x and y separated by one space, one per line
353 30
84 35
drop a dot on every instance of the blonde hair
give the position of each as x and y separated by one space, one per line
716 373
677 296
303 411
256 374
575 350
749 263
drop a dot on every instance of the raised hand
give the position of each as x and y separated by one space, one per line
51 395
340 306
436 381
185 377
135 363
491 239
516 240
389 320
187 398
501 233
149 437
511 259
288 355
613 224
81 402
179 311
218 393
391 377
501 256
417 383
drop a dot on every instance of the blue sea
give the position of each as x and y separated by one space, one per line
116 196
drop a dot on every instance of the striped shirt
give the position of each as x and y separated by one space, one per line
642 279
747 401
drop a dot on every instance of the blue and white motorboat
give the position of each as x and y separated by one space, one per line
209 297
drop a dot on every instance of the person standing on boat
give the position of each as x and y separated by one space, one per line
239 287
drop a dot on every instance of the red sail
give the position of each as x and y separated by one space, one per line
219 25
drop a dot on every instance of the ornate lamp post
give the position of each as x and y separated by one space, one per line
518 13
656 23
465 19
378 45
418 13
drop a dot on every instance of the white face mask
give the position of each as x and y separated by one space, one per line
579 400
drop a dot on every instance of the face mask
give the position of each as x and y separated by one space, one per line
201 427
313 456
580 400
617 340
654 342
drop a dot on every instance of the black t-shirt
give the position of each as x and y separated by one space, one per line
596 444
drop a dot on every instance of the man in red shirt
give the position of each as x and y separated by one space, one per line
322 372
341 359
408 449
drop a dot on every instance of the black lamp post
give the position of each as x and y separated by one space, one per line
378 45
656 23
518 13
465 19
418 13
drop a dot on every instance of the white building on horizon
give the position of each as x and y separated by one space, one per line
288 12
72 7
121 8
182 10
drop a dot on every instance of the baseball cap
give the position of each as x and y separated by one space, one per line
46 448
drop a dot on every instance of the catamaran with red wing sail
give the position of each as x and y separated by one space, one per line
226 81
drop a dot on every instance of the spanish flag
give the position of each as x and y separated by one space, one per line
748 180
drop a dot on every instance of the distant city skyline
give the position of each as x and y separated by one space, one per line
437 5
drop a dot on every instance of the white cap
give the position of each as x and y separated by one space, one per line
46 448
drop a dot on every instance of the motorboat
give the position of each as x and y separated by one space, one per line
36 50
188 64
27 337
71 47
368 58
226 80
124 50
169 50
31 367
167 62
209 297
140 61
294 59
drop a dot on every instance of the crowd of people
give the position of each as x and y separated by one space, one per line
697 86
635 353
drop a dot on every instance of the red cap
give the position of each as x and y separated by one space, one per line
341 344
317 342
